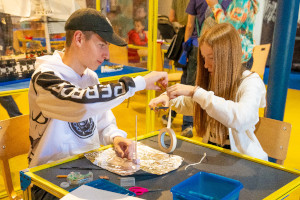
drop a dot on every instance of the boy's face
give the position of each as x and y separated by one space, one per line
94 51
138 26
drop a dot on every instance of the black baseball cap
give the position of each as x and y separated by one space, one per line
89 19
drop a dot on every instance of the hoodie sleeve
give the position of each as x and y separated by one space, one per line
240 115
107 128
183 105
62 100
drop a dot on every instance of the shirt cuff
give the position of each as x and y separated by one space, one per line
118 133
140 83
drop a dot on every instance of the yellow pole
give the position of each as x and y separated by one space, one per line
152 48
98 5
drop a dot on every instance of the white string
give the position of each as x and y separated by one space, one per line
169 118
197 162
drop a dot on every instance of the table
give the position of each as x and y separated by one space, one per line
19 86
261 179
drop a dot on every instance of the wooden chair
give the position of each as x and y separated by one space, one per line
260 56
118 54
14 141
274 137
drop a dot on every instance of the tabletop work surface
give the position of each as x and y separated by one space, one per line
258 180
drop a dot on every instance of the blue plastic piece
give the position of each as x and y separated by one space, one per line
108 186
207 186
25 180
281 57
273 160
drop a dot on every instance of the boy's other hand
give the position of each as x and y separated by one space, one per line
124 147
161 100
161 78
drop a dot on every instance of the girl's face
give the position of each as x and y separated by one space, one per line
208 55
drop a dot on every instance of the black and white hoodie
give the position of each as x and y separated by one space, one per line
71 114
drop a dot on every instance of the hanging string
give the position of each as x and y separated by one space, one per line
204 156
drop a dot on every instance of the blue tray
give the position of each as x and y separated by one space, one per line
108 186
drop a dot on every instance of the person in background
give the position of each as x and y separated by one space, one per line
137 36
226 99
141 13
194 8
178 14
241 14
70 111
122 22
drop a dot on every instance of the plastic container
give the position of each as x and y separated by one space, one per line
76 178
207 186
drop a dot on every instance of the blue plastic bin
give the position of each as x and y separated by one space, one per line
207 186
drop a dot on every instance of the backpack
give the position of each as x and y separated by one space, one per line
165 27
175 49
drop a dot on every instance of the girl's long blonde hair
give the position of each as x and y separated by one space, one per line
224 81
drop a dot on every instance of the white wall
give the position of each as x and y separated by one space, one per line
258 22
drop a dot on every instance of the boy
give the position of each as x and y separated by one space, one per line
137 36
69 110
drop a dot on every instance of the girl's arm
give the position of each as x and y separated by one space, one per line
239 115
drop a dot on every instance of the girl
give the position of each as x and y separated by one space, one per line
226 99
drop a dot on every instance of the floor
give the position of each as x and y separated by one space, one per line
126 121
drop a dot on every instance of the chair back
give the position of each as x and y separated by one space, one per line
14 141
260 56
118 54
274 136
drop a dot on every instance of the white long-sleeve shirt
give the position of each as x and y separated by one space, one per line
240 116
71 114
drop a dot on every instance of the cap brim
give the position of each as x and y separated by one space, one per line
112 38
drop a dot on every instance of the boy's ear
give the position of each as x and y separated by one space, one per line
78 38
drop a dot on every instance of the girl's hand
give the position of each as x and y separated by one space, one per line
180 89
211 3
162 99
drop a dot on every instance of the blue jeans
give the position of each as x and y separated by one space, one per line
188 78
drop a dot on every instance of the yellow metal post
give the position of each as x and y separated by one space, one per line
152 48
98 5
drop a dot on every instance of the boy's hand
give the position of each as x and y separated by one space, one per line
160 77
161 100
124 147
